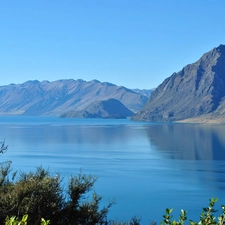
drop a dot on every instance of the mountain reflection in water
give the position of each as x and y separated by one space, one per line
188 141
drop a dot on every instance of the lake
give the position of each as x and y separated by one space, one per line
145 167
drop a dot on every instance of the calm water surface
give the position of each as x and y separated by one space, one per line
145 167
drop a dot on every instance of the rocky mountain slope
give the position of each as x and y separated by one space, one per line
196 93
110 108
54 98
145 92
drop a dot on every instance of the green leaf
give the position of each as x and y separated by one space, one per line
171 210
220 218
24 219
174 222
167 211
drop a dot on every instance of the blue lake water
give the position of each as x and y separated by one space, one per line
145 167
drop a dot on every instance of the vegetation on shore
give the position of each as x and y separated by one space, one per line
39 198
37 195
206 217
41 195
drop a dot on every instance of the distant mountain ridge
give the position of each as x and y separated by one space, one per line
57 97
196 93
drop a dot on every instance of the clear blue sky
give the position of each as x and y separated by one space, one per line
134 43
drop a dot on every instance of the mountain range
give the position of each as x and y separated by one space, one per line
55 98
194 94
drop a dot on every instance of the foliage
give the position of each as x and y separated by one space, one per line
41 195
14 221
206 217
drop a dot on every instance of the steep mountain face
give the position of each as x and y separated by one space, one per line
110 108
54 98
197 90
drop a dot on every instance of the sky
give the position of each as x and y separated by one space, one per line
133 43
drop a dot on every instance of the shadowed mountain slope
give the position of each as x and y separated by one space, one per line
54 98
194 92
110 108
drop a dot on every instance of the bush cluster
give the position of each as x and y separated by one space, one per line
41 195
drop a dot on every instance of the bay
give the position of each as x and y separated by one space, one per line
145 167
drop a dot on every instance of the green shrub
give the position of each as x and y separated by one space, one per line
206 217
41 195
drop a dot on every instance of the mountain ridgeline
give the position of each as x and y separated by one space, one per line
194 94
36 98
